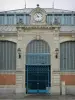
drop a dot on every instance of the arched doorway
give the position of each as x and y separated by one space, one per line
38 74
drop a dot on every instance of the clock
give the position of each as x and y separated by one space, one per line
38 17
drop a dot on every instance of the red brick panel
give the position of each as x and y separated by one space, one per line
7 79
69 79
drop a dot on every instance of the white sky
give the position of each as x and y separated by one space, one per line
19 4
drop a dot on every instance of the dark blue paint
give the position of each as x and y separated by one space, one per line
38 77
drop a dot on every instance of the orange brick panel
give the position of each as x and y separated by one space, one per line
69 79
7 79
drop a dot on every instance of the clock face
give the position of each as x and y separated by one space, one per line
38 17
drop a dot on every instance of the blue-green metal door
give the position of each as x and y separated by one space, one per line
38 78
38 69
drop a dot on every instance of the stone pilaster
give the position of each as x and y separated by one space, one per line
55 87
20 65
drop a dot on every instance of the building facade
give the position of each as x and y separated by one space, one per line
37 51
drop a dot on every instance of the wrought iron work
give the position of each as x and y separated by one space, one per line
19 52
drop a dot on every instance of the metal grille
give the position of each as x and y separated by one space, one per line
37 78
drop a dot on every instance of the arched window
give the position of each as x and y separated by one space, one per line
7 55
38 52
67 56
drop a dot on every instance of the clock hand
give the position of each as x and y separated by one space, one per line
37 16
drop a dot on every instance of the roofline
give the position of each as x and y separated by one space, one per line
15 9
34 8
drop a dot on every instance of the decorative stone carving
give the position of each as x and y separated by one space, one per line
2 36
20 22
73 37
56 22
52 27
19 38
38 37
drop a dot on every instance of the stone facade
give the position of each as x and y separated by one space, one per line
51 36
54 35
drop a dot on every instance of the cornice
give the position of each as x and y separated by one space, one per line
5 33
38 27
66 33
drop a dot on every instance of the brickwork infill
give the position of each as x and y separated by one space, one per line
7 79
69 79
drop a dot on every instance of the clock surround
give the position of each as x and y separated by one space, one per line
38 16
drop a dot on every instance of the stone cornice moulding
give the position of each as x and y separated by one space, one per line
66 33
5 33
51 27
